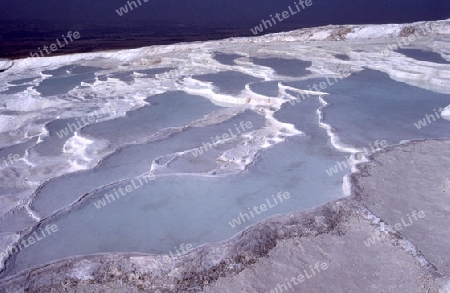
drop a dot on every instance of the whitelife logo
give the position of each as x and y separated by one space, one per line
124 9
53 47
243 125
423 123
262 208
379 145
297 280
320 87
427 29
399 226
171 257
12 158
129 188
284 15
91 118
47 231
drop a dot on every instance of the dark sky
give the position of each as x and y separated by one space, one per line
28 24
228 12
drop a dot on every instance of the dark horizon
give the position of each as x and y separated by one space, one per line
26 26
226 12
